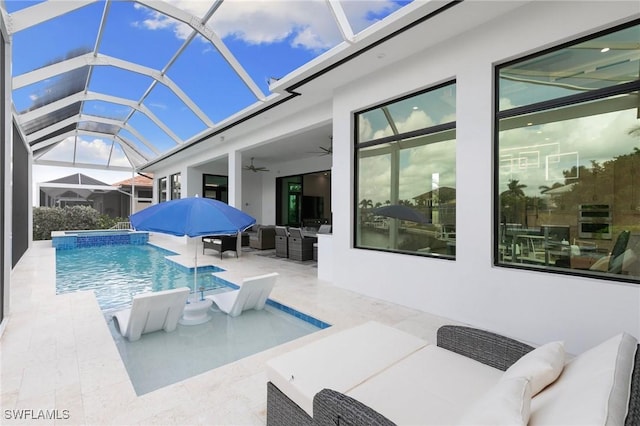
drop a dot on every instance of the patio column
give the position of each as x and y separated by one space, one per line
235 188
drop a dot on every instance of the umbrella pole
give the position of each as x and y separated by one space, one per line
195 276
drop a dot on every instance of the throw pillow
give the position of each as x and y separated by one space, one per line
507 403
541 366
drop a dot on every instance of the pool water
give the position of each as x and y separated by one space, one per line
160 359
117 273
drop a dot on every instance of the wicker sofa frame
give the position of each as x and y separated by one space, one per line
220 243
332 408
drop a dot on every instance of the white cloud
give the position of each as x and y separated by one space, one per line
309 23
597 137
88 151
417 164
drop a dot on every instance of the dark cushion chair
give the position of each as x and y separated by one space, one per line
300 247
282 241
264 238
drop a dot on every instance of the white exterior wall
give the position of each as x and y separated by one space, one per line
530 305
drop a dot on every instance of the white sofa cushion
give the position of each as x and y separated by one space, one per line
429 387
507 403
541 366
339 361
593 388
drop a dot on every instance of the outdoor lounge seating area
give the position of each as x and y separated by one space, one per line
299 244
374 374
510 297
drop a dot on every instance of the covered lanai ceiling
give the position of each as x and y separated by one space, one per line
115 84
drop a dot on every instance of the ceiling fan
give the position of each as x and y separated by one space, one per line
254 168
325 150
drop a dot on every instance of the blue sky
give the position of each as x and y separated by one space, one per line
269 38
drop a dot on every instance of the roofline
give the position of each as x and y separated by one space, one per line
291 90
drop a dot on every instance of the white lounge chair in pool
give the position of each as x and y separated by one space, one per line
253 294
151 312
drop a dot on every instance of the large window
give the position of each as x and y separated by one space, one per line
568 158
162 189
304 200
175 186
215 187
406 174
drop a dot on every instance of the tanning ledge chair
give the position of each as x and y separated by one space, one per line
153 311
253 294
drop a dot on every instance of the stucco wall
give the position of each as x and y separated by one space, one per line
530 305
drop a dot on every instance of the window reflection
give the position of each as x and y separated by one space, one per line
406 187
175 186
568 173
162 189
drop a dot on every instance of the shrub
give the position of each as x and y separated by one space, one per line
48 219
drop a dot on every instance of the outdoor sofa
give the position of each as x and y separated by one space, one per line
221 243
373 374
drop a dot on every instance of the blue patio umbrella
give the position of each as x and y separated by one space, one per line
193 217
402 212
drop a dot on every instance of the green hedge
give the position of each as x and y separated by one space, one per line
47 219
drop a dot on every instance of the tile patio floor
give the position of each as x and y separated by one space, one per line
57 353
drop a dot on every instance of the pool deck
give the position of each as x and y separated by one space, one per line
57 352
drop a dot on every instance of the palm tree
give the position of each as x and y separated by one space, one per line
516 188
511 199
366 204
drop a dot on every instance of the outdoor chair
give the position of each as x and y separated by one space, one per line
221 243
153 311
252 294
263 238
324 229
300 247
282 241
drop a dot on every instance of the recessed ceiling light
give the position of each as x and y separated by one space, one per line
415 108
529 124
605 50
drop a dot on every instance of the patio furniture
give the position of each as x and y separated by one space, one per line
221 243
374 374
282 241
252 294
324 229
300 247
264 238
151 312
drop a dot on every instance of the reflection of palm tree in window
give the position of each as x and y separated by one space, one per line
511 199
365 205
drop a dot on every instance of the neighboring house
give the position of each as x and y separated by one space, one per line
142 187
80 190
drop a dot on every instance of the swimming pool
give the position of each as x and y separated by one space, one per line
67 240
117 273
